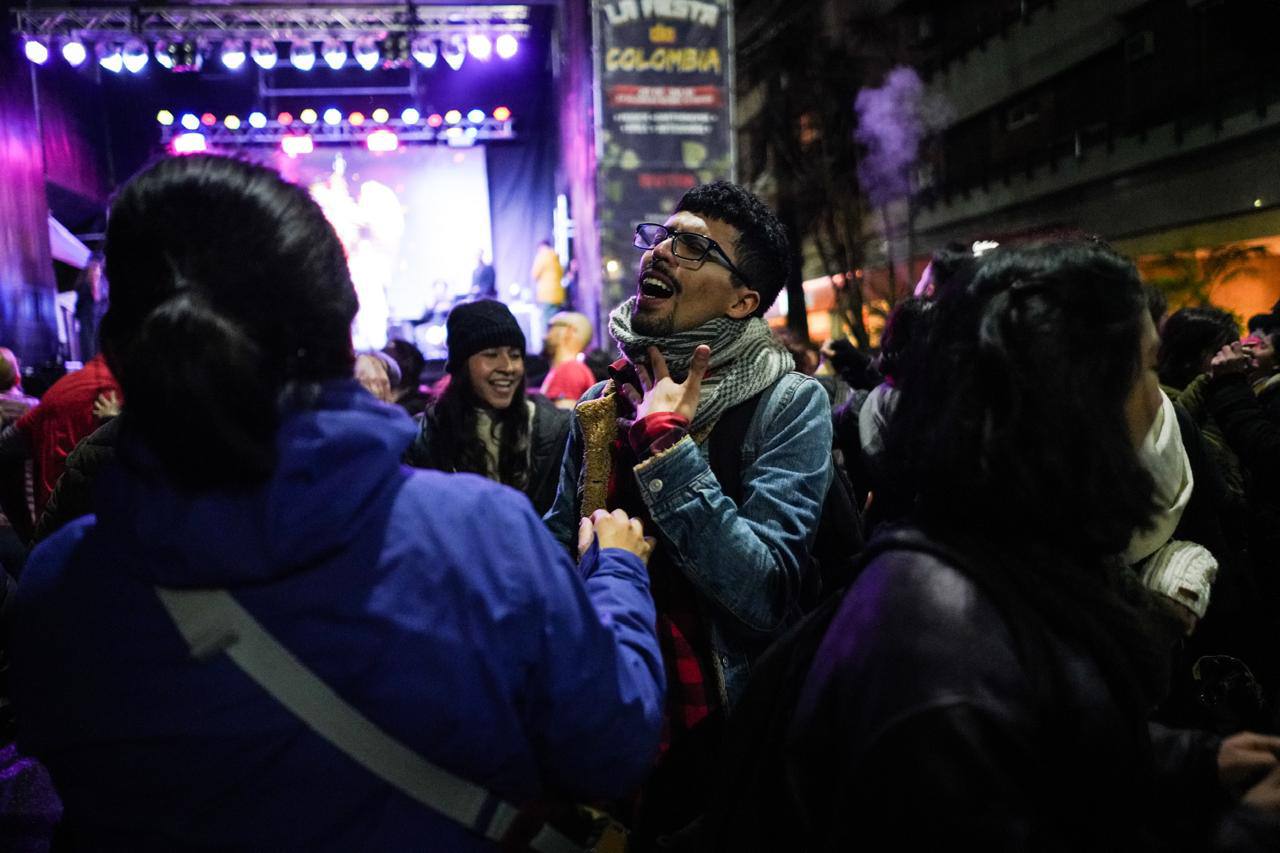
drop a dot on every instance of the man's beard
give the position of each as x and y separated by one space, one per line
653 326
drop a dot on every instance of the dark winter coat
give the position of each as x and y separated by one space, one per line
923 725
548 437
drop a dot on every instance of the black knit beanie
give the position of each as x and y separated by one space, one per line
479 325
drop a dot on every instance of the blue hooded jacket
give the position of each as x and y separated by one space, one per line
437 604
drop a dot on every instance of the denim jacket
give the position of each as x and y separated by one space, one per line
746 562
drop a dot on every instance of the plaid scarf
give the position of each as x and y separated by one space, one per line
745 359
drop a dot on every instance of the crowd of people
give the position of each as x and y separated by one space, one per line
1008 582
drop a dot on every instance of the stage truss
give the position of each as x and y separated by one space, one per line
279 23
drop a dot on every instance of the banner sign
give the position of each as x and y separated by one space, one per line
664 117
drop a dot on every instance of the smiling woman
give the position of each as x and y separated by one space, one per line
484 423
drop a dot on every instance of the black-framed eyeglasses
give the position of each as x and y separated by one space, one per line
685 245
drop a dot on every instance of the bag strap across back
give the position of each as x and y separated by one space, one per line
212 621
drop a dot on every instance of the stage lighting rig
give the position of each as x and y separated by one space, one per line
386 35
383 133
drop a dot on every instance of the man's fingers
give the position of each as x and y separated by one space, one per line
646 382
659 364
698 369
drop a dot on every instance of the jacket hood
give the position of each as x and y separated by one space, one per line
337 471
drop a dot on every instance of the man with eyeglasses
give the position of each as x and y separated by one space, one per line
706 433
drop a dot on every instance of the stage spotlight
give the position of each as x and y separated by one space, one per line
164 117
308 116
298 143
425 51
380 116
356 119
208 119
189 143
74 52
475 116
480 46
502 114
284 119
334 53
109 57
453 117
179 56
135 56
264 53
365 50
302 54
233 55
231 122
410 116
506 46
382 140
435 120
257 120
164 54
190 121
37 51
454 51
395 51
333 116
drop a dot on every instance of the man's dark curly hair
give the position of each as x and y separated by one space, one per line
762 251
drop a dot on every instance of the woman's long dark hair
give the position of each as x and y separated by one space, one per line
1012 427
455 446
228 285
1189 338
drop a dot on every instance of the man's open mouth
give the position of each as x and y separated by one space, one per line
655 285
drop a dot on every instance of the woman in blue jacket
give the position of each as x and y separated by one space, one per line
437 606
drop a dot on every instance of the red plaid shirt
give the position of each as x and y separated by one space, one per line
681 635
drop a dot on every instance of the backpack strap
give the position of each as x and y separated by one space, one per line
724 446
212 621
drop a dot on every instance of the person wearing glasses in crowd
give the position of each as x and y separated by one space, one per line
730 559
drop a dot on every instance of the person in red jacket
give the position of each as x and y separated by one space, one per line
47 433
